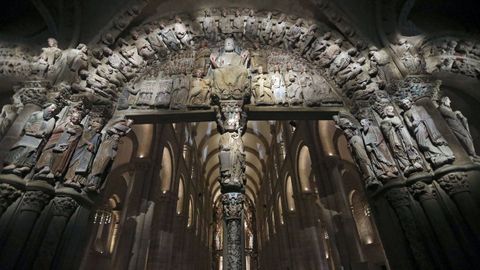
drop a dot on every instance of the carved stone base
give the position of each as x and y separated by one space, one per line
13 180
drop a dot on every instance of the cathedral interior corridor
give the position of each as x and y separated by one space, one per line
239 135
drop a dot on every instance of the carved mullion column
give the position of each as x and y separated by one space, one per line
231 121
400 201
30 208
457 187
428 198
62 209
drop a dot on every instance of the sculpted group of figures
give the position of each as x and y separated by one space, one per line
402 140
453 55
70 149
104 69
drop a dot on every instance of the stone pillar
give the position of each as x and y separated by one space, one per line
231 123
416 153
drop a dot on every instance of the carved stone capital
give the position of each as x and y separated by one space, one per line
8 194
232 205
231 117
34 201
422 191
64 206
454 183
416 87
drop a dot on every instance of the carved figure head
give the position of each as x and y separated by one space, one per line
75 118
229 45
49 111
52 43
96 123
365 122
389 111
446 101
406 103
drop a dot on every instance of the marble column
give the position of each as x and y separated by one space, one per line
231 121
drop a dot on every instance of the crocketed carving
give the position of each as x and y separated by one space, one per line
8 194
454 183
422 191
234 244
232 205
34 201
63 206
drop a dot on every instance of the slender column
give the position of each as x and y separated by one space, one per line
231 123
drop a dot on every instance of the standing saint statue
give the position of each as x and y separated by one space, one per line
82 158
294 89
382 161
459 125
106 154
429 139
357 147
22 156
401 143
60 147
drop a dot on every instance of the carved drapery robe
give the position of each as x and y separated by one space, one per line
459 125
429 139
278 88
380 157
35 134
401 144
83 156
59 148
262 88
199 92
294 89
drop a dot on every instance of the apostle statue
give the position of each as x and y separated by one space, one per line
382 161
22 156
232 159
459 125
262 88
294 89
229 70
278 86
429 139
199 96
54 159
106 154
180 90
400 141
357 147
82 159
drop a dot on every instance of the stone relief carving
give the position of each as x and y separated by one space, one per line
377 149
22 156
82 159
429 139
262 88
294 88
278 86
358 150
106 154
459 125
7 117
53 161
200 89
231 117
232 161
402 145
230 75
232 205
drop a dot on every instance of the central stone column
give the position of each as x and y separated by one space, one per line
230 87
231 121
